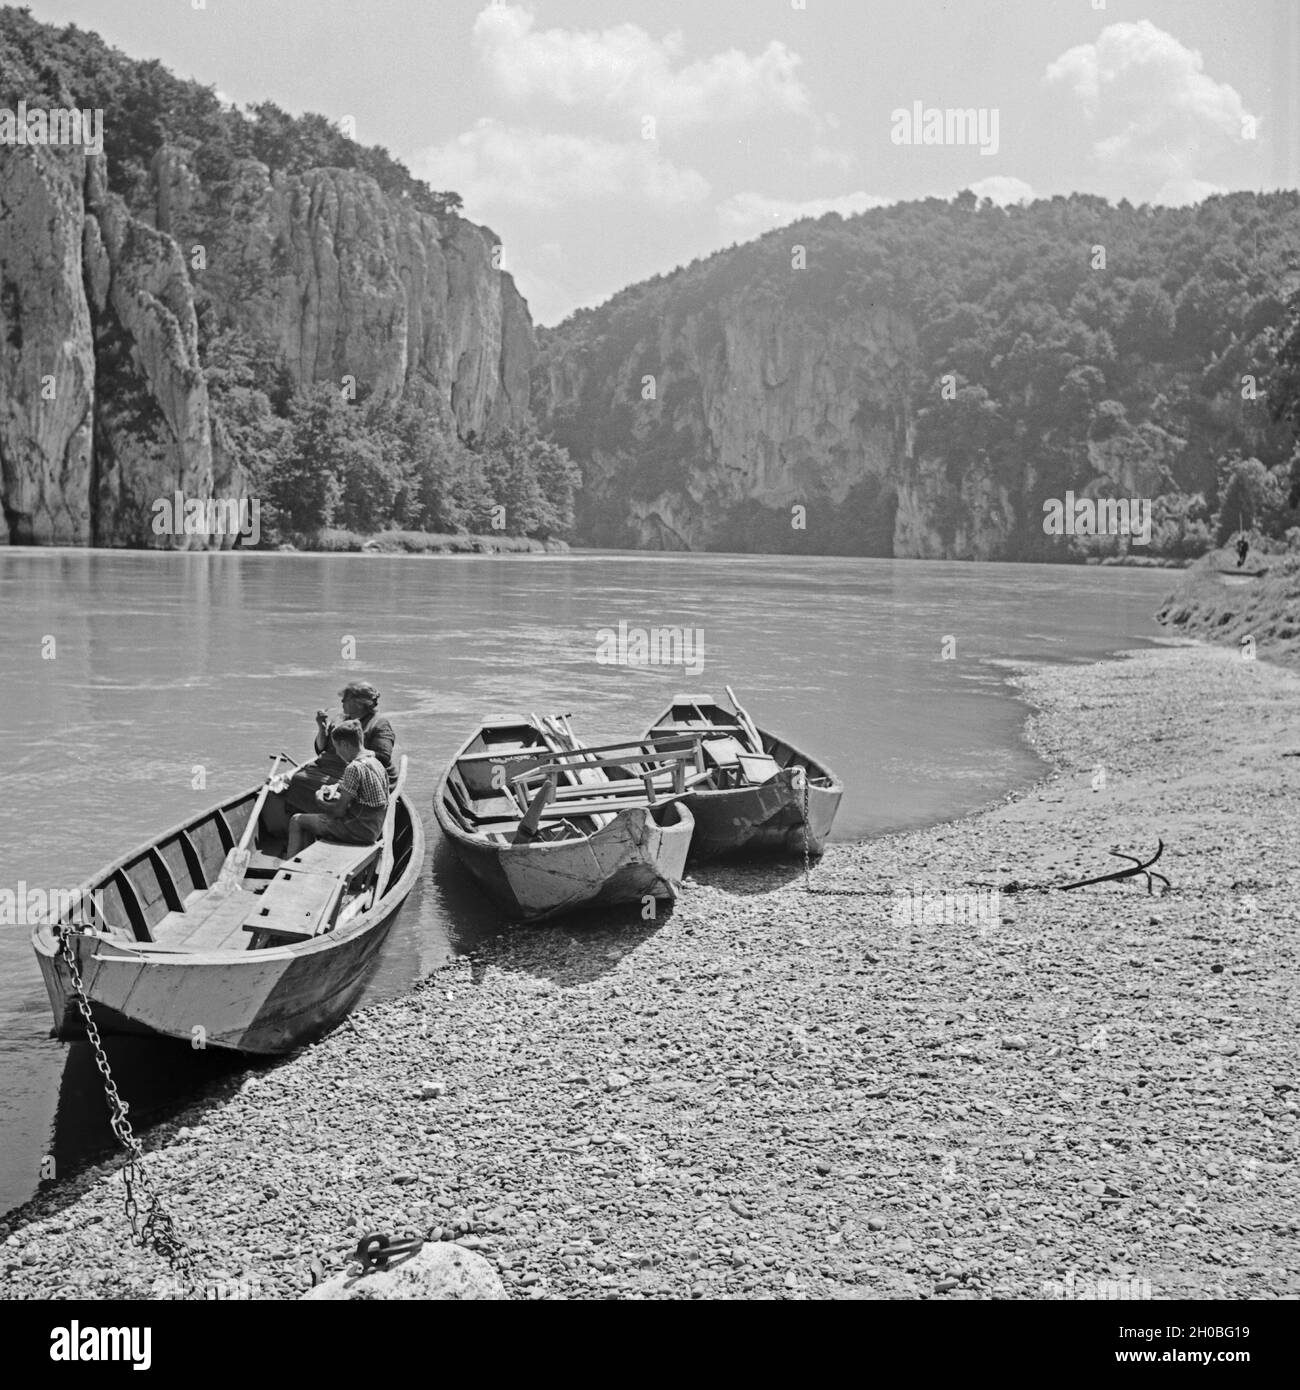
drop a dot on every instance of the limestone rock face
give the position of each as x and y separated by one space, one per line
439 1271
348 282
932 524
47 365
104 408
152 418
755 404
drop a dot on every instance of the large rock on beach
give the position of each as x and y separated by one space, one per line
442 1271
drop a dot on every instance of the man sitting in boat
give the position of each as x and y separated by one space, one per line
361 703
353 810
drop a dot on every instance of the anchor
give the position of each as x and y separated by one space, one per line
1138 868
375 1251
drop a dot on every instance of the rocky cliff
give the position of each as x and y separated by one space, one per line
344 281
47 365
919 381
104 405
747 408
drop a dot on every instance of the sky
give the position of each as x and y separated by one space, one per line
606 141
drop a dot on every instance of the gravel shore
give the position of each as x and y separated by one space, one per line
772 1094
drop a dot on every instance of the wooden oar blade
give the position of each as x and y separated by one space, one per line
231 877
232 873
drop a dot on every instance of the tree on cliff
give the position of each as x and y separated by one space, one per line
303 490
534 481
1250 496
150 106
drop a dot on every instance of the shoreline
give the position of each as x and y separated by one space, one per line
767 1094
434 544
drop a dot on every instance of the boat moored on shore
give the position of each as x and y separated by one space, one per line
601 825
760 794
256 965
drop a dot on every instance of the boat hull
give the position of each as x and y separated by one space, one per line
633 857
261 1002
270 1003
767 818
762 820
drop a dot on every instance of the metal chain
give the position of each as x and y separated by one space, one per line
802 774
157 1229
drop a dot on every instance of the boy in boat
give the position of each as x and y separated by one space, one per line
299 792
352 810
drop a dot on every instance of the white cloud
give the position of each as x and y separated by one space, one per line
627 71
1158 116
495 165
1003 189
835 155
1178 192
747 215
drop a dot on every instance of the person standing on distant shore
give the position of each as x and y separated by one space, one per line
1243 548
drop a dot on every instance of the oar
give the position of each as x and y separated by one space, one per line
750 727
542 725
236 865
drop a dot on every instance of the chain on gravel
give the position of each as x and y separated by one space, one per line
802 773
155 1230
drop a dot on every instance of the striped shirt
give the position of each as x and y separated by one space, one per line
365 778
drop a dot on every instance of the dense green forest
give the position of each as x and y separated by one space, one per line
316 457
1053 342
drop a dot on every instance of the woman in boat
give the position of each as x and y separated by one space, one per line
353 810
361 703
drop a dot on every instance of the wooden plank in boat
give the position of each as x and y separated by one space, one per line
344 861
263 863
209 925
594 808
722 752
296 905
494 808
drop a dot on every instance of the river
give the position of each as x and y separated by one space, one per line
139 688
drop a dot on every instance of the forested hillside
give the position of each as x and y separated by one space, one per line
921 378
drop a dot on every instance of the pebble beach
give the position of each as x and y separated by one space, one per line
771 1092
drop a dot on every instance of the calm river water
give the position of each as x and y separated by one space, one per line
163 664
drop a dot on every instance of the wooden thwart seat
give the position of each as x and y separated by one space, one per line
303 899
297 904
331 857
596 808
758 768
723 752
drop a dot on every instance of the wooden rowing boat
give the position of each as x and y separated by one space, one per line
593 831
278 961
753 799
